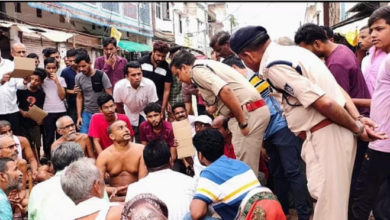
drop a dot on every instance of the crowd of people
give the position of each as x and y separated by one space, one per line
291 124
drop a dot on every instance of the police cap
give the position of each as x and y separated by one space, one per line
244 36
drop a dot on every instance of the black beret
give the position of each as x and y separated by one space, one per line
244 36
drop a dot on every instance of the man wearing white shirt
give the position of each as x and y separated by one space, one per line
134 92
9 110
47 199
176 190
83 183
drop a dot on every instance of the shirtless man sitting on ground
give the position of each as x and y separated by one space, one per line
66 128
123 161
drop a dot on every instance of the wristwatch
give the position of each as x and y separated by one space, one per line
242 126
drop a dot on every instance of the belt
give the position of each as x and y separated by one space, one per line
250 107
316 127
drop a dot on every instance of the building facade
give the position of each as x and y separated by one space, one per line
85 23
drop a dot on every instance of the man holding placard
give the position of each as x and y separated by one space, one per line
9 110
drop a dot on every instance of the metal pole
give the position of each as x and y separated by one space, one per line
205 32
139 17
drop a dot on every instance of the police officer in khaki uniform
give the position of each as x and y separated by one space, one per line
231 95
313 105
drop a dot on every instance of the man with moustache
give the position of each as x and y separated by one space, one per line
101 121
67 128
22 145
10 179
157 128
8 149
134 92
123 161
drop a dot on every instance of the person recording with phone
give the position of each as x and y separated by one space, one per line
54 88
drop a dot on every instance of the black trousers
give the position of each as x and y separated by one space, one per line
374 172
14 119
49 124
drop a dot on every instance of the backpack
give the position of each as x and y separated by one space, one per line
97 81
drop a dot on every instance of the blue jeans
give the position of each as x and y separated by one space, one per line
284 150
86 116
188 217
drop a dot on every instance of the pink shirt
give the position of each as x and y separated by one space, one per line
98 128
380 106
374 62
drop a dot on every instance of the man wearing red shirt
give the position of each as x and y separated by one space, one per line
101 121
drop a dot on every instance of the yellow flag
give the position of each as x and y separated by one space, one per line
352 37
116 34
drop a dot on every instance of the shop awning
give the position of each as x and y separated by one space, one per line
133 46
343 30
56 36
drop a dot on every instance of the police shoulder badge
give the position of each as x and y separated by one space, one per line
289 89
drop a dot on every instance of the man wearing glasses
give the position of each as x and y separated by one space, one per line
9 149
67 128
8 86
22 145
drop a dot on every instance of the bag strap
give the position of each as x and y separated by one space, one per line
200 65
284 93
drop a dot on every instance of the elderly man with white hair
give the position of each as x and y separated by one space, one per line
47 200
83 183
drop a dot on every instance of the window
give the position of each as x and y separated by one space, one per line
158 10
180 25
62 19
130 10
111 7
93 26
165 10
39 13
17 7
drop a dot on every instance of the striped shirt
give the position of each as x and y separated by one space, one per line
224 184
277 121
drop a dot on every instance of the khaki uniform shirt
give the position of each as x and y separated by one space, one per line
210 84
316 80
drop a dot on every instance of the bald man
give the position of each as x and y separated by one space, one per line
18 50
123 161
66 128
9 110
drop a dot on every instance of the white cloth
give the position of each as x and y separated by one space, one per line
8 97
91 206
135 99
16 139
365 63
198 167
53 103
48 201
176 190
